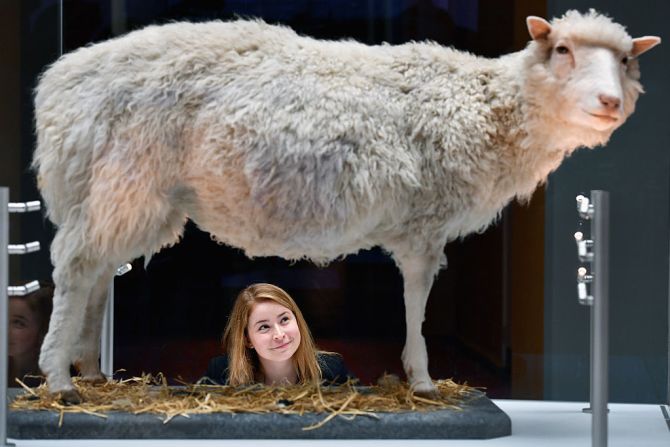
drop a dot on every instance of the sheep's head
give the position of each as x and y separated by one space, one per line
584 71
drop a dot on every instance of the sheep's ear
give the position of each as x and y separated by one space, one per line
538 28
642 44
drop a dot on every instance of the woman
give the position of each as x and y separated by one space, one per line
267 341
28 324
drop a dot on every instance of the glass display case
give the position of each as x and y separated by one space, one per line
503 316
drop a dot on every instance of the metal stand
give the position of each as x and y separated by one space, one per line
107 338
4 307
596 252
6 291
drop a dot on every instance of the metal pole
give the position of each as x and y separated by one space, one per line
4 311
60 28
592 343
600 312
667 396
118 9
107 338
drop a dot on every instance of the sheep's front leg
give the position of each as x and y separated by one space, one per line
418 271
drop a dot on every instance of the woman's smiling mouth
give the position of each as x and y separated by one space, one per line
282 346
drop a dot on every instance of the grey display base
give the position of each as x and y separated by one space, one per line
479 418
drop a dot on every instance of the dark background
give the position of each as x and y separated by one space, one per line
496 318
635 169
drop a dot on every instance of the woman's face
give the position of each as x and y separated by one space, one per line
273 331
23 329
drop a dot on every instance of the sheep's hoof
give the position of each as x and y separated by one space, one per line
70 397
428 394
426 389
97 379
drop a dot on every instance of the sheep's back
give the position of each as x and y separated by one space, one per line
326 121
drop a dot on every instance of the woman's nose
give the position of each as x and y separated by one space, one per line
278 332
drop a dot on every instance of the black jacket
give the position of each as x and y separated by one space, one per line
333 369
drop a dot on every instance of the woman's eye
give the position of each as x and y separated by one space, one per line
285 319
263 328
562 49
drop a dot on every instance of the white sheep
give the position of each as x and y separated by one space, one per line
284 145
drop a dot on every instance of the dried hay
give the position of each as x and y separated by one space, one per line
149 394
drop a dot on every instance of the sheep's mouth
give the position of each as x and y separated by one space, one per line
605 117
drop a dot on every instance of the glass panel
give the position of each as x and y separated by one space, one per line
170 317
29 40
486 321
632 167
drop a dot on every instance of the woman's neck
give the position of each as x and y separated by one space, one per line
278 373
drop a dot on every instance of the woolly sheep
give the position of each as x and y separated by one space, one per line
284 145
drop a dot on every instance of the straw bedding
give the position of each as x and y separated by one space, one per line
151 394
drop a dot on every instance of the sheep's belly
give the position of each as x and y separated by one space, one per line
320 250
319 246
321 241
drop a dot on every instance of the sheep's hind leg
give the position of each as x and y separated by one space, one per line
74 276
418 271
165 229
87 351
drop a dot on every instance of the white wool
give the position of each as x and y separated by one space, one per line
285 145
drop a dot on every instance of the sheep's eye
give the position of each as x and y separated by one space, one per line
562 50
624 60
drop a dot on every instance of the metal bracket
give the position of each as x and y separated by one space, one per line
583 278
23 290
24 207
22 249
123 269
584 247
584 207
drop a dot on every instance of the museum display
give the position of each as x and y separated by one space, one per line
284 145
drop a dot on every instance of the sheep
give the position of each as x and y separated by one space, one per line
283 145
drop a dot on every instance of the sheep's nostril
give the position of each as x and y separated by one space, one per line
609 102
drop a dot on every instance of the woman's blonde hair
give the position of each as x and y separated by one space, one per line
243 362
